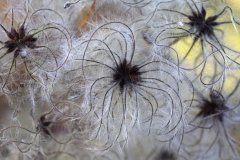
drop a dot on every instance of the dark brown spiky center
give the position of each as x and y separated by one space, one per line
43 125
215 107
126 75
203 26
19 40
166 155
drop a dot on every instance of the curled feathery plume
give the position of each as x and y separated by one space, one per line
214 116
198 34
30 139
126 88
32 50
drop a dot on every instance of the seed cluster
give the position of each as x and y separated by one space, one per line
118 79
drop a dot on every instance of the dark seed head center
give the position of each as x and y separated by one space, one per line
214 107
203 26
19 40
125 74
